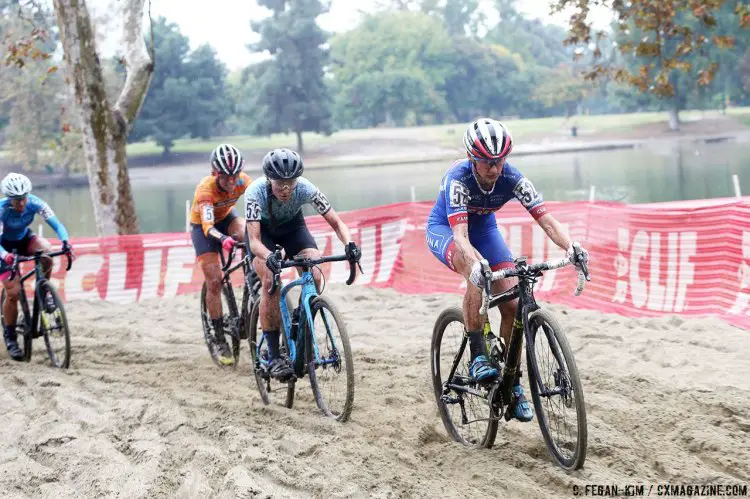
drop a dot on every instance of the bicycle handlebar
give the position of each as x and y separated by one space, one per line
307 262
39 254
523 270
228 263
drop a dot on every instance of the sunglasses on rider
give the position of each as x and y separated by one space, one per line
489 162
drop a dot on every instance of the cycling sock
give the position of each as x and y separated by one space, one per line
218 325
476 344
10 332
272 340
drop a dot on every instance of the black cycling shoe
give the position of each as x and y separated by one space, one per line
280 369
11 343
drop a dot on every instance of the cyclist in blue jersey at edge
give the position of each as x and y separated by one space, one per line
462 233
17 211
273 212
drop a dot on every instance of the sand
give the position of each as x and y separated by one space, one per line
143 411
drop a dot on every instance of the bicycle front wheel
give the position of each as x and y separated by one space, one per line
231 322
556 390
53 324
467 415
329 357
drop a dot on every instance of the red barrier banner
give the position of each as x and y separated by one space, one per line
688 258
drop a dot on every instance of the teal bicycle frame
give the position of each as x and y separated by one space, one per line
309 292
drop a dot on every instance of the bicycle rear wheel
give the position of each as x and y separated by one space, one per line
469 418
334 396
22 328
231 322
53 324
556 386
268 387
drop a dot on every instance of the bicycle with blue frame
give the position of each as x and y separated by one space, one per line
321 356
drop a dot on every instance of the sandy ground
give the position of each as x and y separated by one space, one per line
143 412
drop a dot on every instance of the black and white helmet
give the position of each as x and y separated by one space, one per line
488 139
282 164
227 159
15 185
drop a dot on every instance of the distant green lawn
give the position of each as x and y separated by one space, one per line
444 134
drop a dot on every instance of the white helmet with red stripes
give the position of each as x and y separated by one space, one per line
488 139
227 159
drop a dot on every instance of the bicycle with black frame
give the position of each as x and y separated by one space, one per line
46 317
316 351
233 318
460 398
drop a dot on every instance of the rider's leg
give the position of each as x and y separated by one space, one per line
10 316
270 321
236 228
39 243
440 241
492 245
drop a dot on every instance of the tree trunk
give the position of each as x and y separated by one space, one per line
105 128
299 142
674 118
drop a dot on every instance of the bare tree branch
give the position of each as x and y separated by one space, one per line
138 62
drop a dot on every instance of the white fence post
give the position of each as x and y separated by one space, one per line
40 231
187 215
592 193
736 182
413 194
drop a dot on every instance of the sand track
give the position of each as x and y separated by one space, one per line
143 412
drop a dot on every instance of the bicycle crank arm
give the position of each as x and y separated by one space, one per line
465 389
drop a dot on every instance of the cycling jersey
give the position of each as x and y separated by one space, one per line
211 204
462 199
14 224
258 200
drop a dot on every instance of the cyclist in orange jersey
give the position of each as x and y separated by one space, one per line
216 226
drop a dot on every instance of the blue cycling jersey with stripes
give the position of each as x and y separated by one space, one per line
14 224
462 199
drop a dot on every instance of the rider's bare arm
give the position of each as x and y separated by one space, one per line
338 226
555 231
257 247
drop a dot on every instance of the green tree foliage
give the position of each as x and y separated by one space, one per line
537 43
187 96
392 66
290 90
32 95
562 87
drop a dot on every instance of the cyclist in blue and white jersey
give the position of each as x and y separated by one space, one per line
462 233
273 212
17 211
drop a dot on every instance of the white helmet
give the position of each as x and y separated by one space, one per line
227 159
15 185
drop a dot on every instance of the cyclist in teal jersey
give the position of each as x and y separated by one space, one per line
273 212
